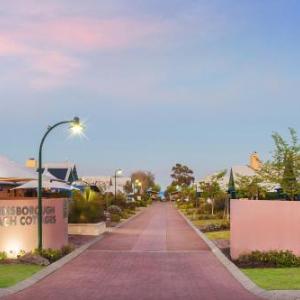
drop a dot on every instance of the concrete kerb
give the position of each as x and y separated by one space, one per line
58 264
240 276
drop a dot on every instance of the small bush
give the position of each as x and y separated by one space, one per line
114 209
190 211
269 259
149 201
115 218
131 205
225 225
51 254
182 206
67 249
206 217
3 255
124 215
141 203
120 200
185 205
54 254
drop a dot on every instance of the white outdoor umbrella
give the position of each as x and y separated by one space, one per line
7 182
12 172
47 184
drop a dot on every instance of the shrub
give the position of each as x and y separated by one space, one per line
115 218
54 254
216 227
206 217
190 211
272 258
3 255
149 201
204 207
51 254
141 203
86 207
210 216
21 253
114 209
120 200
67 249
34 259
182 206
131 205
220 202
124 215
129 211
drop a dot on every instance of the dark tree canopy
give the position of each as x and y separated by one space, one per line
284 168
182 175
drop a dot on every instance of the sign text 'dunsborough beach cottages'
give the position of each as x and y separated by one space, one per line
25 215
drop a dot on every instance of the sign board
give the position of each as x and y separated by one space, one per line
19 223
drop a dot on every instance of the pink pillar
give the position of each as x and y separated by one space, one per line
264 225
18 224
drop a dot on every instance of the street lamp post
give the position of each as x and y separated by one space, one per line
76 127
196 194
117 173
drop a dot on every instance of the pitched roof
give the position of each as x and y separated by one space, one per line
61 170
59 165
107 182
238 170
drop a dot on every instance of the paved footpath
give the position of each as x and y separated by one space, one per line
156 256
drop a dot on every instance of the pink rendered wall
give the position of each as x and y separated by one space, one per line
14 238
264 225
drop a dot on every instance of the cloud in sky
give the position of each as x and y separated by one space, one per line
53 50
53 43
50 49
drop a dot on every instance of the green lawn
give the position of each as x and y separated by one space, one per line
11 274
275 278
218 235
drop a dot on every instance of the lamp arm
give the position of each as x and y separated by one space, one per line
40 206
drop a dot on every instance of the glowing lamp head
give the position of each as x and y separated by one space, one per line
76 126
138 183
119 172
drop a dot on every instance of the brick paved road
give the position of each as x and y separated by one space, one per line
155 256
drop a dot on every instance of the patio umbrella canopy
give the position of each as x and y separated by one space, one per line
11 171
47 184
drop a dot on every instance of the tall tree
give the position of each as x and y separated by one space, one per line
128 187
211 189
146 178
182 175
284 168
